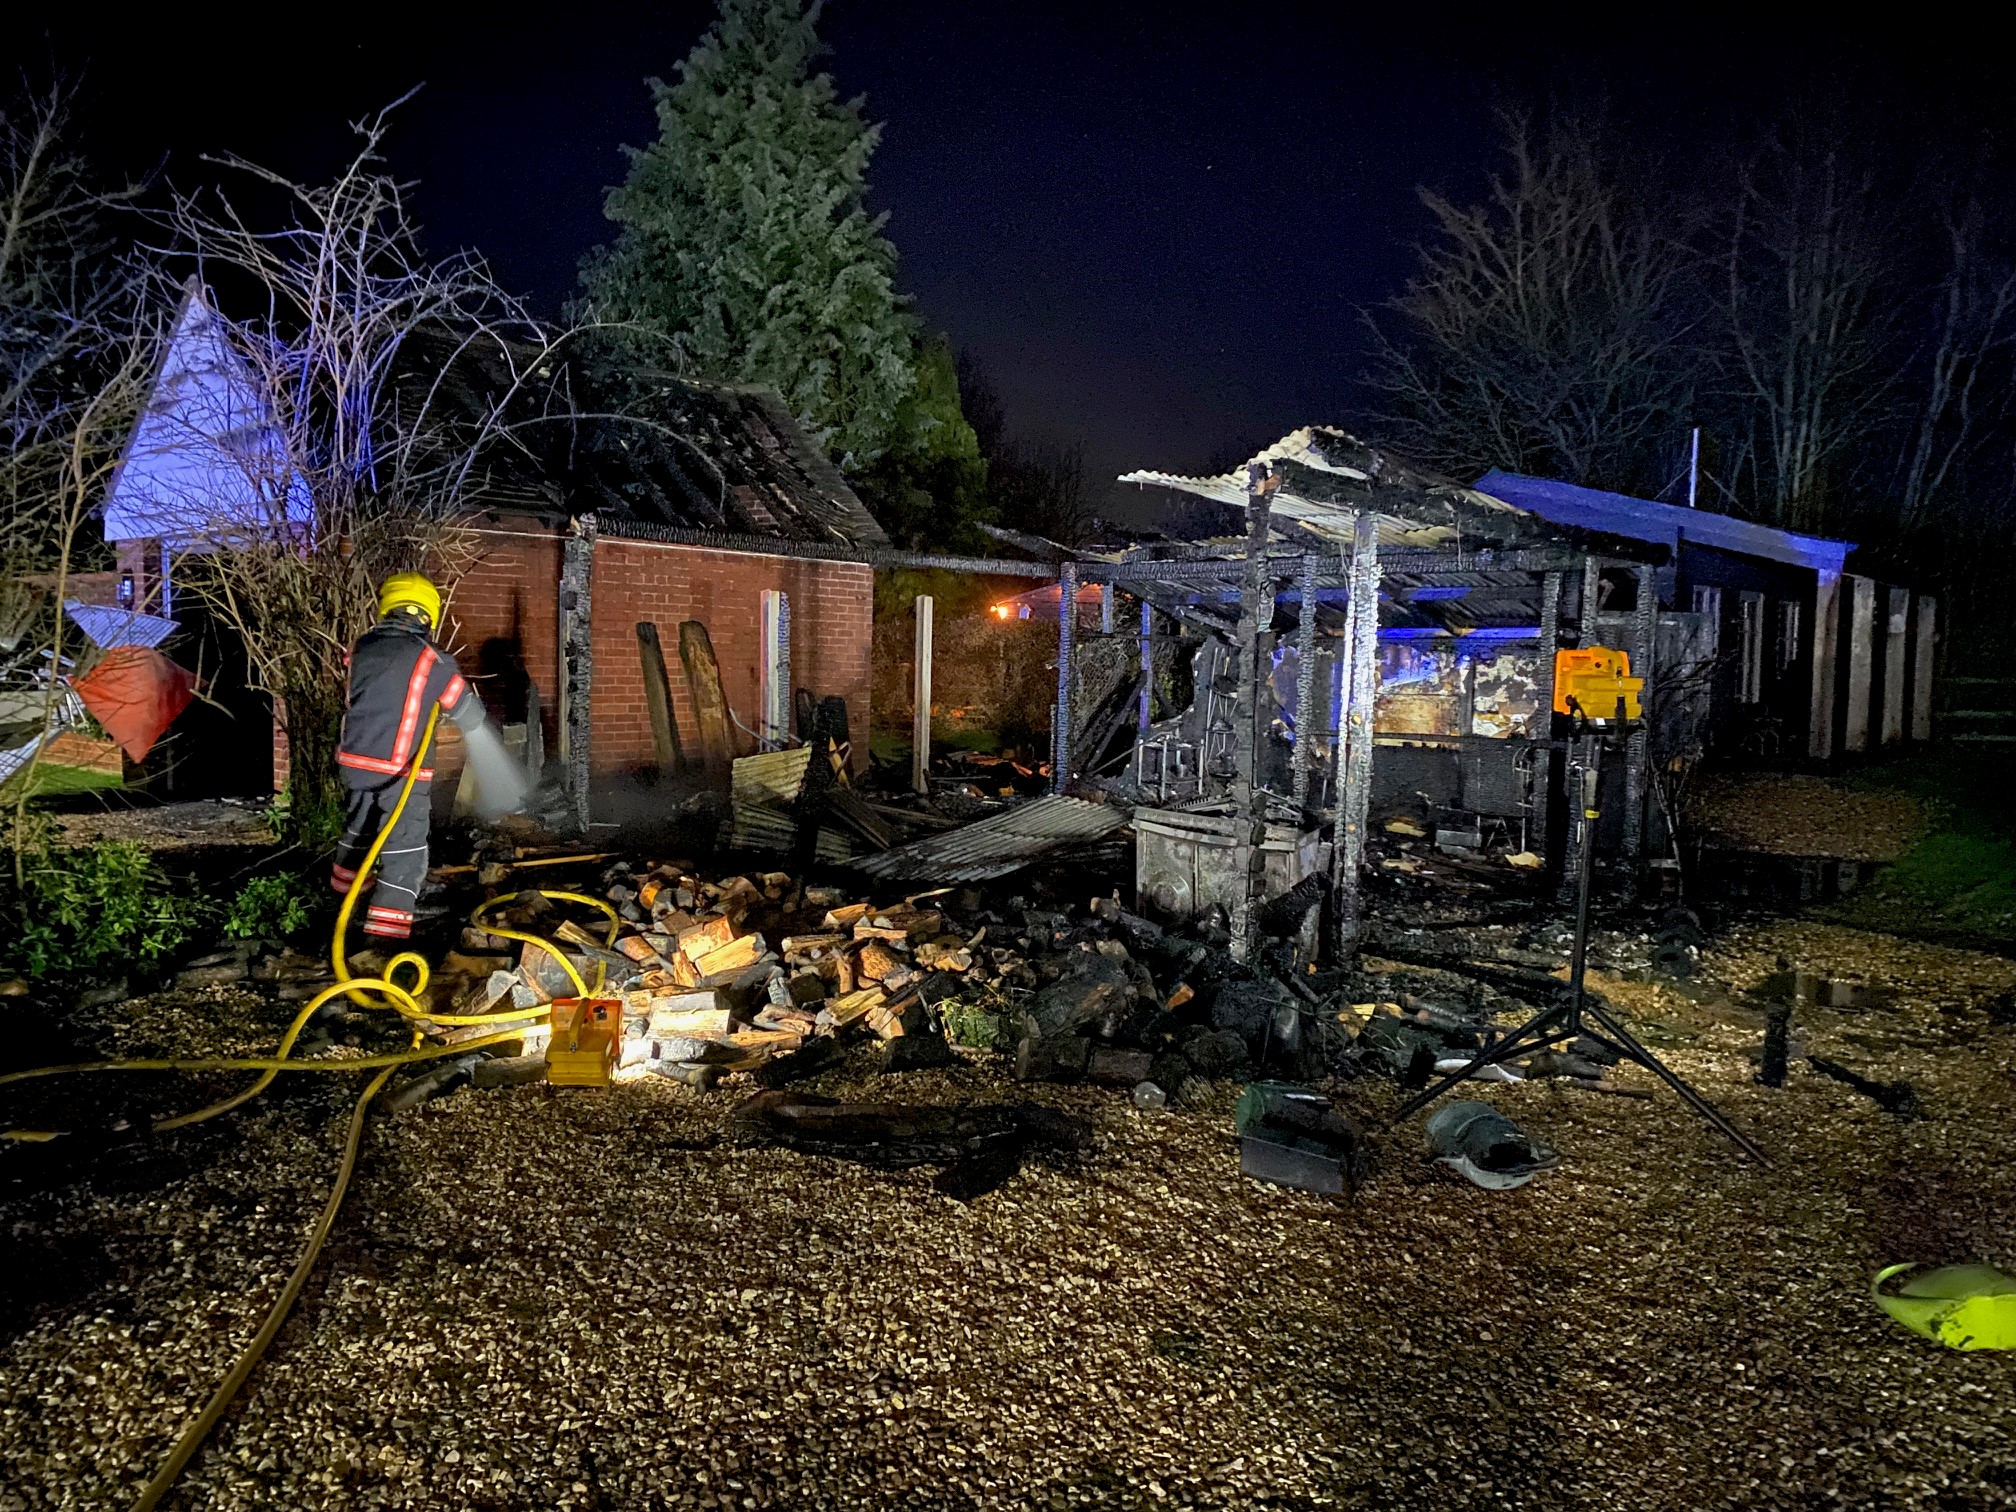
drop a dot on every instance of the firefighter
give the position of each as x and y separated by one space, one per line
397 676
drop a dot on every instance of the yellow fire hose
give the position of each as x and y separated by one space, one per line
380 991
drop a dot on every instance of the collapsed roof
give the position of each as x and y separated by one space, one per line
586 433
1451 558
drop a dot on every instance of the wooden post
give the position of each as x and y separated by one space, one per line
1592 595
920 700
1354 740
658 701
1543 724
1638 744
1861 660
773 668
1147 668
1896 629
1821 664
577 661
710 704
1571 845
1060 717
1256 614
1305 680
1926 637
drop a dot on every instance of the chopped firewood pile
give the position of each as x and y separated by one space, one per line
765 977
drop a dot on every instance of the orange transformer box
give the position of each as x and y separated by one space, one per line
587 1041
1590 679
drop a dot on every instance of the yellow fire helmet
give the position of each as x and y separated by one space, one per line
410 590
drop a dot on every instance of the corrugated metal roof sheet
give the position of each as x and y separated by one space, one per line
998 845
1319 448
119 627
1667 524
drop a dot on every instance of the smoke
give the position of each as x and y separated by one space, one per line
499 781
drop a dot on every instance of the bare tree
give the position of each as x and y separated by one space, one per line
1538 335
330 436
1967 392
63 287
1809 333
75 350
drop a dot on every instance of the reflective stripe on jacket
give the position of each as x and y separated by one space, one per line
396 676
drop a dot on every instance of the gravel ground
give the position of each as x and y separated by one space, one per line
543 1299
1801 815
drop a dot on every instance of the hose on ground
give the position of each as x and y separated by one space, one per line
381 991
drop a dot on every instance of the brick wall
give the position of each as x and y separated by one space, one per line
504 622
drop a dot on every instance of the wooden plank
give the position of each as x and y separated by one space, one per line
658 700
710 703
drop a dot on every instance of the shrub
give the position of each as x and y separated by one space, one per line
278 907
101 905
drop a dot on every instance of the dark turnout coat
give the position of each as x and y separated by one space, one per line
397 675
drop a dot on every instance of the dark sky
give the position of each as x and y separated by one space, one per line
1154 225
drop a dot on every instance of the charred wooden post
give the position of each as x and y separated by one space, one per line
1638 744
1305 680
1585 635
1354 741
577 662
1592 598
920 699
1550 646
1147 668
1060 718
1256 613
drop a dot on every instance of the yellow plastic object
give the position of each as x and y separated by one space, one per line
1961 1306
587 1038
410 590
1588 680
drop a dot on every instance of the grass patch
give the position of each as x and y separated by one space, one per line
1958 883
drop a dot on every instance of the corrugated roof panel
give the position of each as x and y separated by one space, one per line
119 627
997 845
1666 524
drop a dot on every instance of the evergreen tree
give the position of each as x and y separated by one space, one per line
745 241
930 488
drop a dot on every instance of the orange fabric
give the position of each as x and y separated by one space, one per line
136 693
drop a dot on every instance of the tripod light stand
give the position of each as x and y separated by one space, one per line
1575 1014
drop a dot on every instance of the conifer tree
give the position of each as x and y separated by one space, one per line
744 240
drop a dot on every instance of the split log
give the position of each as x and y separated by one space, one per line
711 934
730 958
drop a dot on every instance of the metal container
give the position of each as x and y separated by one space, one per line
1186 861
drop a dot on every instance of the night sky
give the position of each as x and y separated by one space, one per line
1156 233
